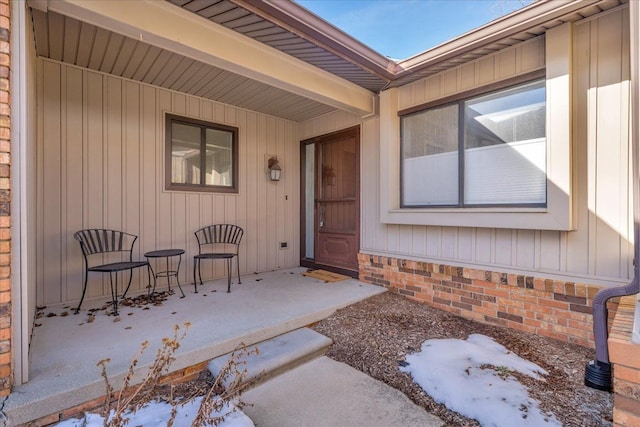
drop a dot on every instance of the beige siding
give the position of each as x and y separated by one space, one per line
101 164
519 59
599 251
327 123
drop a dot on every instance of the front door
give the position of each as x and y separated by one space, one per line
337 200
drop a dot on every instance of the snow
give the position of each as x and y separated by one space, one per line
455 373
156 414
472 377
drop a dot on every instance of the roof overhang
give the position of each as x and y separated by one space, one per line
174 29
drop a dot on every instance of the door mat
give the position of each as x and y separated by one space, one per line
327 276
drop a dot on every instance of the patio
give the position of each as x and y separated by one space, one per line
66 348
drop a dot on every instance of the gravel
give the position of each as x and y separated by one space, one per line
374 336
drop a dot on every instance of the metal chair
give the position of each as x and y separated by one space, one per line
219 241
97 242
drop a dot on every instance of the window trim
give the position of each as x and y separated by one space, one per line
170 118
459 100
560 213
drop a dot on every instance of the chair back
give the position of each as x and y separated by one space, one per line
99 241
219 234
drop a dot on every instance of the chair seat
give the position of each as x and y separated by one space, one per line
118 266
217 255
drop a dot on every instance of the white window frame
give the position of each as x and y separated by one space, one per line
557 215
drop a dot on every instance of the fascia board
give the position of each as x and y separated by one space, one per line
164 25
532 16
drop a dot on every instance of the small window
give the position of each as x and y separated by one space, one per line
489 150
201 156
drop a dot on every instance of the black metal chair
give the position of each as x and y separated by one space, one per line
97 242
219 241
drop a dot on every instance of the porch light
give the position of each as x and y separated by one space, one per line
274 169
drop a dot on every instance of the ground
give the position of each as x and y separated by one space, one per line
375 335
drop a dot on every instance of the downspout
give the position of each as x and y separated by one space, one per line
598 372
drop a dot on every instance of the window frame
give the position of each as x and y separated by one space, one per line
169 119
459 100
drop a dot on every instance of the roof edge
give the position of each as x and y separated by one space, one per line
534 15
299 20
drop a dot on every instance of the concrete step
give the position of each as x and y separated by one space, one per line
276 355
326 393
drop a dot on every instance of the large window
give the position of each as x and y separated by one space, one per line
201 156
482 151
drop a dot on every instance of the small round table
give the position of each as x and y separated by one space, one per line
167 253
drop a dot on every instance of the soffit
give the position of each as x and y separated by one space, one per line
267 23
498 35
290 28
65 39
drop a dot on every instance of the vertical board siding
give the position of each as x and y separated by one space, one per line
600 246
100 154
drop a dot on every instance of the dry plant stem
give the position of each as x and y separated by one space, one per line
107 403
164 358
213 401
216 395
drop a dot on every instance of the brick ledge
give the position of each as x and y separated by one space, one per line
621 350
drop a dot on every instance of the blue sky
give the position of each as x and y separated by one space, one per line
402 28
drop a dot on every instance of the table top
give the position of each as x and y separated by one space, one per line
164 253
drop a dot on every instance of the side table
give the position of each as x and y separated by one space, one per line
166 254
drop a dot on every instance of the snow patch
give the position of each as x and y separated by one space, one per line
157 413
472 377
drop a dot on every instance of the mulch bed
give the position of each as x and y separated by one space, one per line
374 336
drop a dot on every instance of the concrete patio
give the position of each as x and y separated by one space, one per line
66 349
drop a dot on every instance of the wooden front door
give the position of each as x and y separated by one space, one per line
337 199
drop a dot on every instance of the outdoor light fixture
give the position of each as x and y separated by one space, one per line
274 169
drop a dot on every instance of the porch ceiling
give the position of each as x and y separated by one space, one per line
294 31
68 40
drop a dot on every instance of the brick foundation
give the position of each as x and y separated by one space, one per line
97 405
5 200
625 357
553 308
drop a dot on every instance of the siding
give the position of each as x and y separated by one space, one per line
101 164
600 250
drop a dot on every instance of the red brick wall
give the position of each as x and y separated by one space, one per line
625 357
553 308
5 200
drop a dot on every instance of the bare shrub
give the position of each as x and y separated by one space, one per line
225 388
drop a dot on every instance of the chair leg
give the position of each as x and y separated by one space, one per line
84 290
229 273
114 293
200 271
195 282
238 265
128 285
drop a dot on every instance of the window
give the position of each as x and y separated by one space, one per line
482 151
201 156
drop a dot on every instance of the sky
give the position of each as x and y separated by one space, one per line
400 29
472 377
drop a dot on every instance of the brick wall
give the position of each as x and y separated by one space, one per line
553 308
625 357
5 200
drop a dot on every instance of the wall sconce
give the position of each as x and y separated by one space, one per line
329 175
274 169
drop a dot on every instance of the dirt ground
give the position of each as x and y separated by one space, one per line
376 334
